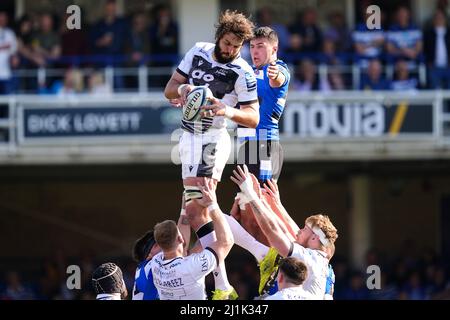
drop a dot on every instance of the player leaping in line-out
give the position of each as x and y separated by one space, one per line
205 145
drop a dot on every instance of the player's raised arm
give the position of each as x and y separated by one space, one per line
223 232
184 226
263 214
273 197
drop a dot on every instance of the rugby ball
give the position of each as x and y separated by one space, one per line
195 99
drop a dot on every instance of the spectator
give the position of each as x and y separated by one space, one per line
109 34
338 32
47 43
437 50
368 43
357 289
25 34
138 47
403 81
70 85
294 53
404 39
138 43
309 31
265 19
108 39
387 290
373 79
8 57
335 74
414 288
15 289
164 34
307 78
438 283
97 85
164 40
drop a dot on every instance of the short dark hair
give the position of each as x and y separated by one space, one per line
266 32
294 270
166 233
108 278
236 23
143 246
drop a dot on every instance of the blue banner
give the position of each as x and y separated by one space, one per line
98 122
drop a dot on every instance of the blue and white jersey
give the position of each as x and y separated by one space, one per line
405 85
404 37
372 39
271 105
329 289
144 288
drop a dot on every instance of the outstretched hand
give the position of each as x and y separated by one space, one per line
208 192
246 181
272 190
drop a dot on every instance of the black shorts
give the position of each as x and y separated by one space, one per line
264 158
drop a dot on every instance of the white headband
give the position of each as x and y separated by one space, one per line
318 232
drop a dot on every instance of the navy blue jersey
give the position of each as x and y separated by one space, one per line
271 104
144 289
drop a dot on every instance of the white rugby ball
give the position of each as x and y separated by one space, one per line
194 100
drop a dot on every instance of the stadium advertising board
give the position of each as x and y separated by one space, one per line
87 123
321 119
304 119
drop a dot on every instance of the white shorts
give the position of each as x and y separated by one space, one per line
204 155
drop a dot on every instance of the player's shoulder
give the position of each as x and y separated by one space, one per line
240 65
282 64
203 47
157 258
275 296
9 32
201 255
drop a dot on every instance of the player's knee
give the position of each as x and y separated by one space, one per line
191 189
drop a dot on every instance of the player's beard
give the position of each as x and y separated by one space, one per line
219 57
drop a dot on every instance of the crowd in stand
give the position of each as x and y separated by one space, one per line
389 58
410 275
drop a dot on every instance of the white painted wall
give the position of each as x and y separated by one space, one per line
196 20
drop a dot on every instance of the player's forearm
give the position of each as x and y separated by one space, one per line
270 227
247 117
185 230
284 226
289 222
171 90
278 81
224 235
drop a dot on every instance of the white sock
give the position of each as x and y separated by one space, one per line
245 240
220 273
